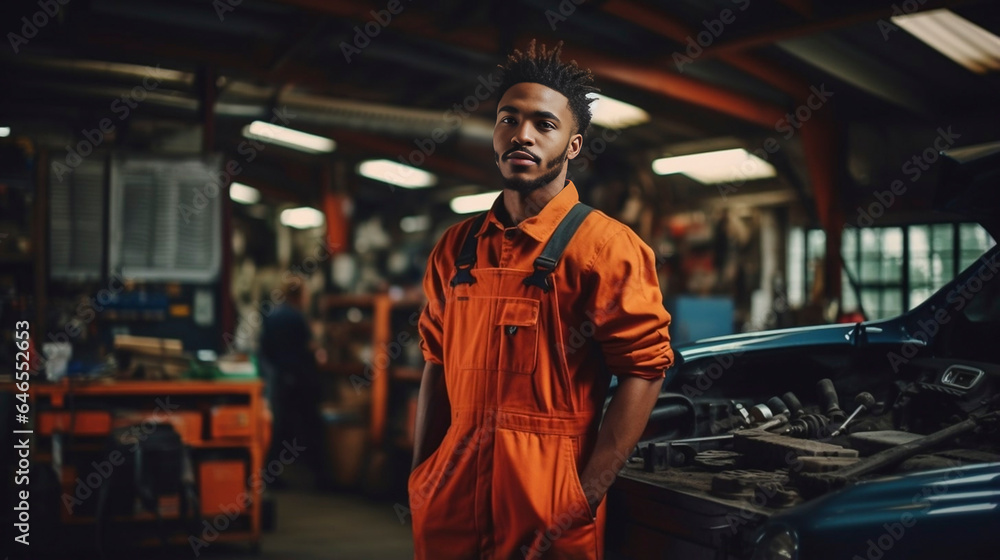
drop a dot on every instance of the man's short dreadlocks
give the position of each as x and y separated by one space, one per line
544 67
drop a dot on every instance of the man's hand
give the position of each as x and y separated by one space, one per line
623 424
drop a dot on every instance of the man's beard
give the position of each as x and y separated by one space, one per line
527 186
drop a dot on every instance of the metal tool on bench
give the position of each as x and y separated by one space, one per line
865 401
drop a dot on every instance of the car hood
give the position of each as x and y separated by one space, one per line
871 332
968 184
963 498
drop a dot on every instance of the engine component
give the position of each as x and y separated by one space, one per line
808 426
741 483
831 402
815 484
716 459
760 413
869 443
865 401
794 406
742 414
764 450
825 464
661 456
777 406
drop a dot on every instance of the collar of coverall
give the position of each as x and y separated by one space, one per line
540 226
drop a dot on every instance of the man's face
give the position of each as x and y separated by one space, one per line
534 136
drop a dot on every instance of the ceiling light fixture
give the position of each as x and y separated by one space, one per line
955 37
303 217
473 202
611 113
244 194
289 138
716 167
396 174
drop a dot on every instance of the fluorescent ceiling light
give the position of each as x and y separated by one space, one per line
716 167
302 218
244 194
473 202
413 224
955 37
396 174
4 131
295 139
611 113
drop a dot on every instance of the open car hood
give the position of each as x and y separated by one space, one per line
970 184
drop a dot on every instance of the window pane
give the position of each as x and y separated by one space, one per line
849 250
973 242
795 266
871 303
892 255
920 251
892 303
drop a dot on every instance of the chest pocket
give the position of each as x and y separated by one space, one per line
516 330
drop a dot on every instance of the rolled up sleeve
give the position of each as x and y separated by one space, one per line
431 321
631 324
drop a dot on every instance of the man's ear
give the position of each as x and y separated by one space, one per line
575 145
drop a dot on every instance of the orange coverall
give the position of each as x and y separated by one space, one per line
527 374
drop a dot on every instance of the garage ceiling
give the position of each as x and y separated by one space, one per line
381 90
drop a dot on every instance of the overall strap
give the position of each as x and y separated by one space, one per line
467 258
547 261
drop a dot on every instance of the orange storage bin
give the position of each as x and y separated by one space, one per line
85 423
231 421
221 484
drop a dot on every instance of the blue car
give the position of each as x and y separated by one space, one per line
875 440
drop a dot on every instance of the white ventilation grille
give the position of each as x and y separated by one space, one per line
76 219
166 222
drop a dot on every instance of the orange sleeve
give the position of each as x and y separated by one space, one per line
431 324
630 322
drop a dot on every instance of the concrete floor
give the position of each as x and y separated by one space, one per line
328 526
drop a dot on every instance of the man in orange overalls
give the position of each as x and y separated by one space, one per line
532 307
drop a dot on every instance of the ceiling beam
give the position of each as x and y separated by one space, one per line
619 69
814 27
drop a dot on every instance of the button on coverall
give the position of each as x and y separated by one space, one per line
527 372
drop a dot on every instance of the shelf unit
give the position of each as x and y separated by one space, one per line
376 329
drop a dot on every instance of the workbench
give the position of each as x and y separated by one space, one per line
224 424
